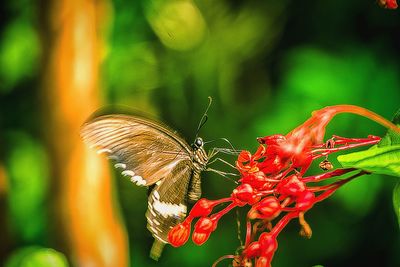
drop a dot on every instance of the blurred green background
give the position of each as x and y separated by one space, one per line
266 64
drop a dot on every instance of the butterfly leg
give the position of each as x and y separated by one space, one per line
224 174
228 151
221 160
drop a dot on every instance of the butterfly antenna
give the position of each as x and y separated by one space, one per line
229 142
223 139
204 118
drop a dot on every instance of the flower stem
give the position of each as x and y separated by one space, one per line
283 222
327 175
222 258
330 189
362 112
327 151
221 213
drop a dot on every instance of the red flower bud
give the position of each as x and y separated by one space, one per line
199 238
263 262
203 207
255 179
202 229
179 234
268 244
247 163
302 160
268 208
270 140
291 186
244 194
259 153
273 164
390 4
253 250
305 200
205 224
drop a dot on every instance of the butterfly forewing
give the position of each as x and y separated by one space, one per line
144 150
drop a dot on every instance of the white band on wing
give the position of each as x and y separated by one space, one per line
134 178
169 209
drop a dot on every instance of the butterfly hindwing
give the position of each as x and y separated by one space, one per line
144 150
167 202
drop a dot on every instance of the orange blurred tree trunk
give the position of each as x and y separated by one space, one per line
88 215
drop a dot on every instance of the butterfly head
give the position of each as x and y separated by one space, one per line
198 143
199 156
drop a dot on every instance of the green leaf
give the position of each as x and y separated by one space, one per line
37 257
383 158
392 137
396 201
380 160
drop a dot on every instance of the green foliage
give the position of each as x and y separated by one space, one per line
314 77
28 179
396 201
267 65
178 24
359 197
37 257
19 53
392 137
382 158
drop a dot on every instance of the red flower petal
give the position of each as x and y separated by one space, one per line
268 244
204 224
199 238
259 153
244 156
253 250
179 234
263 262
268 208
243 194
305 200
291 186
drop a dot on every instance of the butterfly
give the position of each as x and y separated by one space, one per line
153 155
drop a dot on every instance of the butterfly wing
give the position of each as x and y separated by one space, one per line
167 206
151 154
145 150
167 202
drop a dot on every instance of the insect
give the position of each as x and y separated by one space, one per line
152 155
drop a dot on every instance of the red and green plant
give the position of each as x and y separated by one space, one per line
389 4
274 182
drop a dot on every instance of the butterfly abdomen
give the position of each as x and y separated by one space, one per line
194 190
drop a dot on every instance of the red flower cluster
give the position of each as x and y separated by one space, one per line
389 4
274 184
